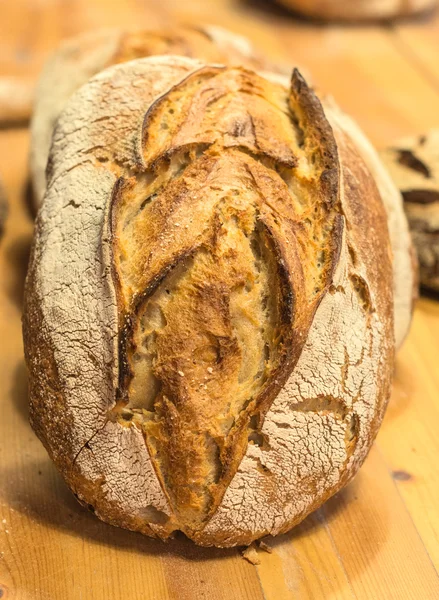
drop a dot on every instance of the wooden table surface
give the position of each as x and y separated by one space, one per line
378 538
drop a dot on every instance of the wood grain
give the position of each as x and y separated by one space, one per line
418 41
378 538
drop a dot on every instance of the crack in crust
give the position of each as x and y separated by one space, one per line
223 248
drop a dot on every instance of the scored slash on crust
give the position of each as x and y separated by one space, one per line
192 169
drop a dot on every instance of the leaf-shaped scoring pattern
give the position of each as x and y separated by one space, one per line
224 243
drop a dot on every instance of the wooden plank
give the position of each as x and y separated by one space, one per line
418 42
34 29
408 439
209 573
304 564
376 539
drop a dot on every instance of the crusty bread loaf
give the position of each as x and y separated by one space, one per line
208 317
414 165
359 10
81 57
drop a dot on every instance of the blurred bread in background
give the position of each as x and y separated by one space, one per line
358 10
16 97
414 165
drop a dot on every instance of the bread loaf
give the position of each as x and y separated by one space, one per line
208 318
359 10
414 165
81 57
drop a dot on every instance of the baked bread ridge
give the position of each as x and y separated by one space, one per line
413 163
405 279
359 10
324 297
79 58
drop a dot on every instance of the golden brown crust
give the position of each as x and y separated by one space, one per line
369 276
221 126
229 344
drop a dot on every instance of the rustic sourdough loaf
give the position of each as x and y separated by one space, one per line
81 57
208 317
359 10
414 165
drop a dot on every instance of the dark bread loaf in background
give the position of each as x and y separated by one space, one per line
414 165
79 58
208 318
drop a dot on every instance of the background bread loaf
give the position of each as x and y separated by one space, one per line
414 165
359 10
208 316
16 97
79 58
